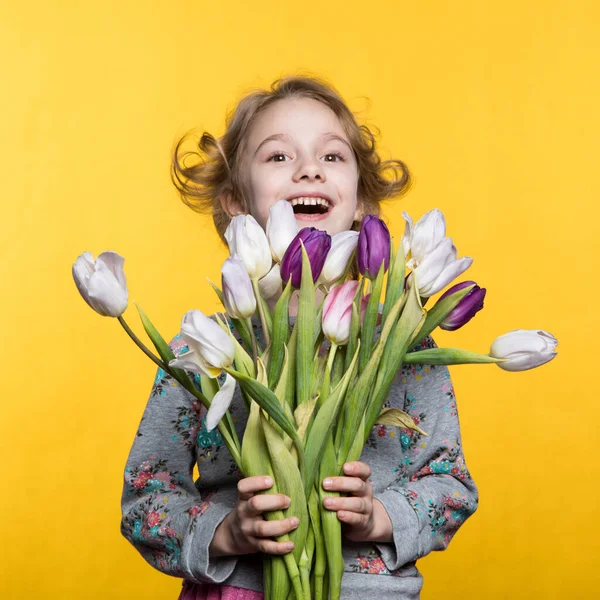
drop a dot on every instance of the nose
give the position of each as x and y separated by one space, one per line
311 169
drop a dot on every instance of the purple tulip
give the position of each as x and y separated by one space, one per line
373 246
465 310
317 244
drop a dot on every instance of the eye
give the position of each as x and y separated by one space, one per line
336 154
275 155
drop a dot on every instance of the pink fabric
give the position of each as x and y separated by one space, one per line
207 591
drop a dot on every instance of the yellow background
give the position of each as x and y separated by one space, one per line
494 106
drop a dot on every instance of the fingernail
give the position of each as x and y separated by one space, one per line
328 502
347 468
268 481
294 521
327 483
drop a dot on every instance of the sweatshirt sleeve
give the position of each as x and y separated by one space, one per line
164 515
433 493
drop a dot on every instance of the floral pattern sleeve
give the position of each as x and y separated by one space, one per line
167 517
432 492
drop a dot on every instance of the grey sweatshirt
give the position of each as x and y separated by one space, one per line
423 483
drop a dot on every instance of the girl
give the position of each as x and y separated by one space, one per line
407 496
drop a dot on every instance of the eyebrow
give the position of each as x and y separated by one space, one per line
286 138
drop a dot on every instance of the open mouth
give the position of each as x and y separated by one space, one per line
310 206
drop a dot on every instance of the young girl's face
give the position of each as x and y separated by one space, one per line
297 150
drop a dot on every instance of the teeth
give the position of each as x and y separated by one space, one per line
310 201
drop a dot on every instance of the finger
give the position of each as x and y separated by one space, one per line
272 547
355 504
261 503
357 469
248 486
353 485
264 529
351 518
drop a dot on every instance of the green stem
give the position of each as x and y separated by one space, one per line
332 352
261 312
253 338
230 437
141 345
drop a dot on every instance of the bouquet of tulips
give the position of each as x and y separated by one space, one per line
314 390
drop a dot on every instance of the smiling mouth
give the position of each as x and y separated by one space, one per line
310 206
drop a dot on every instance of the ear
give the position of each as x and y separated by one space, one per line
230 205
359 213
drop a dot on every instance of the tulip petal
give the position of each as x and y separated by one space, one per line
220 403
282 228
270 284
115 263
524 349
428 233
191 361
204 335
82 270
238 295
106 294
408 229
343 244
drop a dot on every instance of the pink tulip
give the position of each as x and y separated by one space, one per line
337 312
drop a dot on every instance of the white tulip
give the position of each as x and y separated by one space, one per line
101 282
424 237
270 284
281 228
524 349
238 295
247 240
210 347
343 244
220 403
439 267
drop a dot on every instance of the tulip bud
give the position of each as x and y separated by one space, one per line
524 349
102 283
424 237
373 246
466 309
281 228
270 284
210 347
238 295
247 240
337 312
220 403
439 267
343 244
316 243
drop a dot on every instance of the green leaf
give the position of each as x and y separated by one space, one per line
359 398
323 424
163 349
305 323
395 281
354 323
289 482
409 324
370 320
439 312
281 334
269 402
398 418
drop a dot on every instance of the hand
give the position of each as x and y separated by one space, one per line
364 517
244 531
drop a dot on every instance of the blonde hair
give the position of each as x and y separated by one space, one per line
212 170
